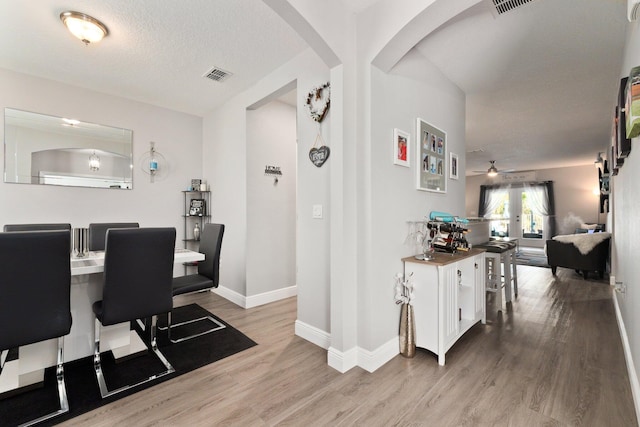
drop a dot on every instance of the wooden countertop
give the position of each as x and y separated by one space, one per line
443 258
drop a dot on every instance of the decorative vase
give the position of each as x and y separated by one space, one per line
80 242
196 232
407 331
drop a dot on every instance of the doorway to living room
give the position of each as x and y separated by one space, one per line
519 212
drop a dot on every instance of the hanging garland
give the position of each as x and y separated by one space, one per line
318 101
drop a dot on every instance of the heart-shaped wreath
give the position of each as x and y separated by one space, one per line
318 101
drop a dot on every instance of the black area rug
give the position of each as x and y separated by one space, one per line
82 387
532 258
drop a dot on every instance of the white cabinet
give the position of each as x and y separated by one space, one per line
449 298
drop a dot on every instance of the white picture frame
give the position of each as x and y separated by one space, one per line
431 158
454 165
401 151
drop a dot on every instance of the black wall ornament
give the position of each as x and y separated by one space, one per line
318 101
319 155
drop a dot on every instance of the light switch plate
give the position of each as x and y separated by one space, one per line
317 212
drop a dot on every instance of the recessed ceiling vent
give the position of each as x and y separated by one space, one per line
503 6
217 74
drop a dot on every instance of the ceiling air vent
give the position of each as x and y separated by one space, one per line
632 10
504 6
217 74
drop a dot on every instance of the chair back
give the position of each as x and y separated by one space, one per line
37 227
138 270
34 302
210 246
98 232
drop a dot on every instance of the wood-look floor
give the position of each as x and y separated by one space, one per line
555 358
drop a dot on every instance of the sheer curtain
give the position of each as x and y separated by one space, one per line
490 198
542 202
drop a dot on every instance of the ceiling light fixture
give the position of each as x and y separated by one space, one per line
84 27
599 160
492 169
94 162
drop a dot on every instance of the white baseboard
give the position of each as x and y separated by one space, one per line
312 334
255 300
233 296
342 361
271 296
372 360
631 369
367 360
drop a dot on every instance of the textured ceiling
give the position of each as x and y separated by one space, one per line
540 81
156 51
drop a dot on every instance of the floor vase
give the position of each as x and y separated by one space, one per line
407 331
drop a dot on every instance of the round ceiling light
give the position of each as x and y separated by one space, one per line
84 27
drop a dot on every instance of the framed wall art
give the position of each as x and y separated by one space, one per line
632 103
453 165
431 144
623 143
400 148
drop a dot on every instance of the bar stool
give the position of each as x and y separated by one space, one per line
493 282
514 269
35 302
500 269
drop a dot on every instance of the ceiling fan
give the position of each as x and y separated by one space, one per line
493 171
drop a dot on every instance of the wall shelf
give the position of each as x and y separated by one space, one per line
189 241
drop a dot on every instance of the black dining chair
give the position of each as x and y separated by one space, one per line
206 278
138 268
98 232
35 302
37 227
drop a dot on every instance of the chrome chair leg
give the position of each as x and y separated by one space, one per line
62 390
218 326
104 391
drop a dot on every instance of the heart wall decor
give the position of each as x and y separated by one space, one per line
318 101
319 155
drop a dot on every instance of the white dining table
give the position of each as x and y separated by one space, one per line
86 288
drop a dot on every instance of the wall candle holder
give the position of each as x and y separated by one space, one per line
153 163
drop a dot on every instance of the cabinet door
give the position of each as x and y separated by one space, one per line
481 298
449 318
466 292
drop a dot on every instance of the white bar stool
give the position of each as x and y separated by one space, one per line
500 268
493 281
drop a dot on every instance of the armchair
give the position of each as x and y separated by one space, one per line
563 251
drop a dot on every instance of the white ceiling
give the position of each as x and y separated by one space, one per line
156 51
540 81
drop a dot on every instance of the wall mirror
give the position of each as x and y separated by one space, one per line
41 149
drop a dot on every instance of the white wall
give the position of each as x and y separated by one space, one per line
178 137
415 89
573 190
271 207
225 167
626 238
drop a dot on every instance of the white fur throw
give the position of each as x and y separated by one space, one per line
584 242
